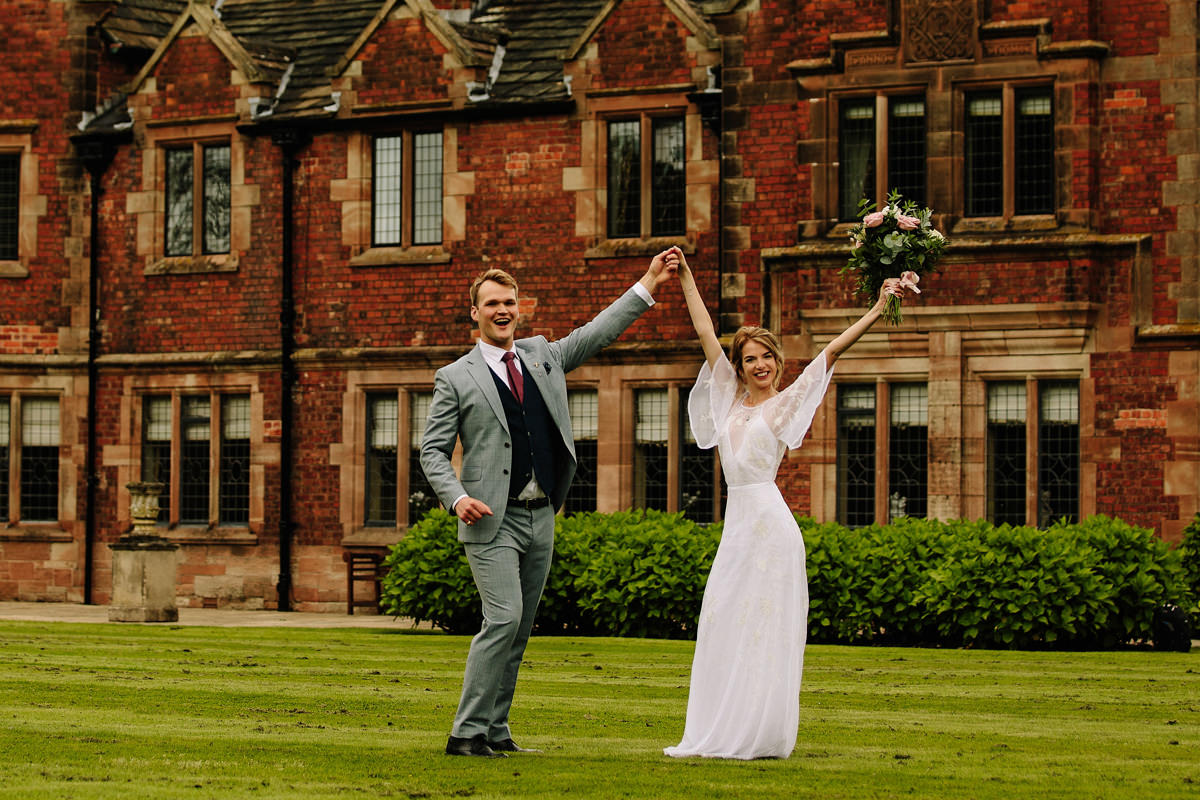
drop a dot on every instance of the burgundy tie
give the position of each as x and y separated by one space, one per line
515 381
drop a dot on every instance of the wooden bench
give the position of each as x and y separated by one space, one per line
363 566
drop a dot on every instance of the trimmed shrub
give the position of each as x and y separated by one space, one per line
964 583
428 576
1189 554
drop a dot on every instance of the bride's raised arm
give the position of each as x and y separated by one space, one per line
891 287
701 320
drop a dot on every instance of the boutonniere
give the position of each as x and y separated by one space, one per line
547 367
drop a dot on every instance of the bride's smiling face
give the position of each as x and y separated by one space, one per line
759 367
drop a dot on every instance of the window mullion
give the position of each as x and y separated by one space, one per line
881 149
408 162
197 198
1032 417
215 414
1008 117
14 449
883 437
647 178
175 489
403 423
674 448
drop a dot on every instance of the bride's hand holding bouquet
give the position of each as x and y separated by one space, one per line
897 241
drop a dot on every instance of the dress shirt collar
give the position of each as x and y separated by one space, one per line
493 355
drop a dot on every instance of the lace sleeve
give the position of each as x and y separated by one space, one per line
791 412
710 401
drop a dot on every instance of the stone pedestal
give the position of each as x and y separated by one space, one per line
144 564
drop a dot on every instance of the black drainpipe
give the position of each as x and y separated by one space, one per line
289 142
96 156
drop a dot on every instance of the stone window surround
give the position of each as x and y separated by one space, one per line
942 181
355 193
588 181
350 454
148 206
72 409
957 365
614 375
126 456
677 389
883 445
17 137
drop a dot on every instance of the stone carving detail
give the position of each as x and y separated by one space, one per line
939 30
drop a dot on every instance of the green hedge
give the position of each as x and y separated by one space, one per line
1095 584
1189 553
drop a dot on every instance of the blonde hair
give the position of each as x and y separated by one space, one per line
752 333
496 276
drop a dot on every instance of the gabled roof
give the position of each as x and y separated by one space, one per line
541 31
300 46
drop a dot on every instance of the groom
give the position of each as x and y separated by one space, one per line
507 401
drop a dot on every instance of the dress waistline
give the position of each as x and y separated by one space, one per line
751 485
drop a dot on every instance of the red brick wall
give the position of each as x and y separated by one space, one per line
192 79
642 44
403 61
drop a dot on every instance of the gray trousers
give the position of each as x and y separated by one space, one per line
510 572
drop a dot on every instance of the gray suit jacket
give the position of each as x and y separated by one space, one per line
466 405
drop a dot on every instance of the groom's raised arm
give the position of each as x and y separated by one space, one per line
587 340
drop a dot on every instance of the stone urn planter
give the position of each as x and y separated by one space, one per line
144 564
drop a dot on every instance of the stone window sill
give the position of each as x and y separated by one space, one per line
185 534
35 532
13 269
189 265
401 256
624 248
373 536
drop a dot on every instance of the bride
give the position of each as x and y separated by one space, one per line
744 700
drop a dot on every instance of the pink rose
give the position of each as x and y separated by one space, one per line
873 220
910 279
907 223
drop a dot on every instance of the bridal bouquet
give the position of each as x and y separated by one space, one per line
898 241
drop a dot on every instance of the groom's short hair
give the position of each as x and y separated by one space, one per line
496 276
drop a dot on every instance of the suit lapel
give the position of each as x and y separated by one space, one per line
536 368
481 373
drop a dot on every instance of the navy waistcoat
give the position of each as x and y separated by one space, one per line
534 436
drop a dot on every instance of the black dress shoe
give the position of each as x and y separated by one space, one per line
475 746
509 746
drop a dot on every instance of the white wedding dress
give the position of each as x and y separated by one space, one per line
745 690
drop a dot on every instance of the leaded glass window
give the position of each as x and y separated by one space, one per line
5 455
156 450
908 450
985 155
407 189
234 501
1034 145
1058 452
10 206
1006 474
39 458
584 407
651 456
421 497
383 425
906 147
646 191
198 200
195 459
697 471
856 155
856 454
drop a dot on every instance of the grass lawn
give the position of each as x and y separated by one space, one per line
131 711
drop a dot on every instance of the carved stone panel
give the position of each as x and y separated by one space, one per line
939 30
